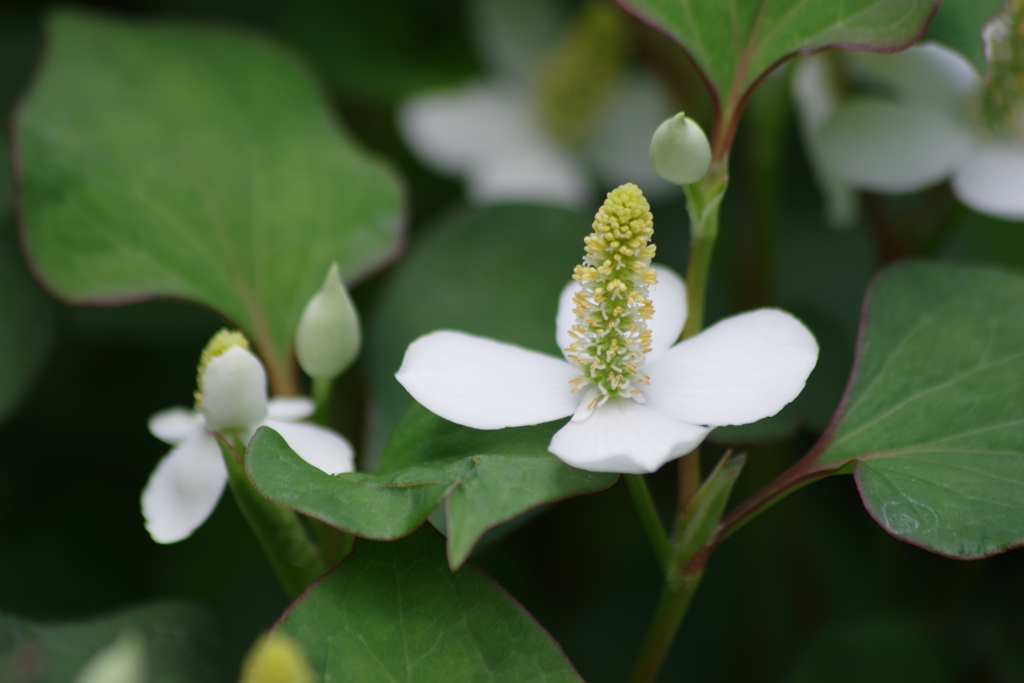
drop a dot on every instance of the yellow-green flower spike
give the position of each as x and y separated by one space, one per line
1002 98
582 71
218 344
612 307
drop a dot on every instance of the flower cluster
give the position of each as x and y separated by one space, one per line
738 371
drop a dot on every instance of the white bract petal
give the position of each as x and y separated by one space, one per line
290 408
992 181
877 145
320 447
740 370
234 391
184 488
174 424
486 384
624 436
669 300
531 171
928 74
123 661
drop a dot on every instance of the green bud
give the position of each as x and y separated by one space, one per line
276 658
680 152
328 337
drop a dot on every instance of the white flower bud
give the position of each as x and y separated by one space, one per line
680 152
234 388
328 337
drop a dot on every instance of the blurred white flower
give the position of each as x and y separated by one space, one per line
923 127
497 134
186 484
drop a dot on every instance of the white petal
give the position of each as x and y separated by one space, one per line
290 408
234 391
184 488
566 318
536 170
877 145
624 436
815 93
322 448
928 73
737 371
668 298
174 424
619 146
992 181
485 384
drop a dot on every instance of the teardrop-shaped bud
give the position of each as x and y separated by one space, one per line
328 338
680 152
276 658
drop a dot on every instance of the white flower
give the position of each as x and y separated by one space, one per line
492 132
923 132
184 488
665 398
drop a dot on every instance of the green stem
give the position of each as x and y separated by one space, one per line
291 553
672 605
649 518
322 388
703 202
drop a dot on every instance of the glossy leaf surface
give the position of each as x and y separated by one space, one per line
483 478
160 159
735 43
934 416
395 612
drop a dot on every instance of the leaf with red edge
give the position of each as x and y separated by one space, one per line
736 42
933 418
395 612
159 159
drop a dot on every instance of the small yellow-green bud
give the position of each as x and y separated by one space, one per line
680 152
276 658
328 337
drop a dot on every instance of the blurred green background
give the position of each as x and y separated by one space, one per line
812 591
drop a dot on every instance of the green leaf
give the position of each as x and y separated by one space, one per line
483 477
26 333
934 416
394 612
958 24
183 643
496 272
170 160
735 43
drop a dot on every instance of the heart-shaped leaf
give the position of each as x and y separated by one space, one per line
162 159
734 44
483 477
395 612
934 413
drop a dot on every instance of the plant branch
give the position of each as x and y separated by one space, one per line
649 518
